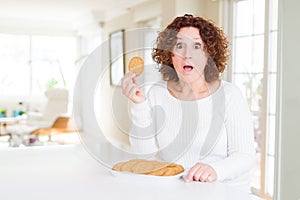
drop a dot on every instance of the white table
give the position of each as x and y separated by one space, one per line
8 119
70 173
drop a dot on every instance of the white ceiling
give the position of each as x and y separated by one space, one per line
63 10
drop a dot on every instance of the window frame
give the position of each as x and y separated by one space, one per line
30 94
228 21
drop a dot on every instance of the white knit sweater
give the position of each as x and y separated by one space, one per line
216 130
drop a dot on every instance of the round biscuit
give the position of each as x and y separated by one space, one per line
118 166
170 171
150 167
127 166
136 65
143 167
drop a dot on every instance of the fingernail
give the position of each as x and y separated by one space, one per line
187 180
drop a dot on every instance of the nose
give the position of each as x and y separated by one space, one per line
187 54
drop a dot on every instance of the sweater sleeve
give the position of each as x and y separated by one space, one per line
142 135
240 137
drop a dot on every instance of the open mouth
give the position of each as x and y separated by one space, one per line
188 68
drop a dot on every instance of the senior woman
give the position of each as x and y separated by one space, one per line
193 117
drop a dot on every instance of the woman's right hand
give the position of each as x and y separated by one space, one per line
130 88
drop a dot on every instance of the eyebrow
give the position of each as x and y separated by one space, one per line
180 38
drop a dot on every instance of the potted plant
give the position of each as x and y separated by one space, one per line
2 113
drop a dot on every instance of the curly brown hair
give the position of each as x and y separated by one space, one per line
215 44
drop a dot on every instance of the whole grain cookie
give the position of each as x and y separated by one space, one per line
136 65
118 166
159 168
142 167
127 166
170 171
178 168
149 167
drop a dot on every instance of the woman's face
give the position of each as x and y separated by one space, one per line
189 58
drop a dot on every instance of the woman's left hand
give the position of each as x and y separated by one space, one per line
201 172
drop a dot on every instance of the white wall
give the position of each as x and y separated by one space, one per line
288 164
204 8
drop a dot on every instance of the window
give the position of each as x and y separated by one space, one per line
254 55
30 64
15 72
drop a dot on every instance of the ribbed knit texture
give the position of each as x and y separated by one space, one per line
216 130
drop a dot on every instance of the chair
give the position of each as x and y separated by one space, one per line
62 125
57 105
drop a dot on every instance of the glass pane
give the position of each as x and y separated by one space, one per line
45 75
255 172
244 19
272 94
258 54
53 62
257 132
243 52
259 16
273 52
274 14
249 54
271 135
269 175
14 59
251 87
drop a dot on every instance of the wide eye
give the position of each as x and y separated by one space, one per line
179 45
197 46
